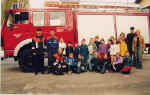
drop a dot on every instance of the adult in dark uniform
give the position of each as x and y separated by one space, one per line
38 52
52 48
129 40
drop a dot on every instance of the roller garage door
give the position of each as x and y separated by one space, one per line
103 25
92 25
139 22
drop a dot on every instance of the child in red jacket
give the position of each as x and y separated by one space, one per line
59 66
127 64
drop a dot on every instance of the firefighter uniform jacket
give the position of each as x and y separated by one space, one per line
52 44
38 43
38 54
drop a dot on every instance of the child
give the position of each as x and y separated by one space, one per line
107 64
70 63
114 49
122 45
97 42
108 54
117 62
84 52
102 49
62 45
76 51
98 64
95 60
111 39
69 49
127 64
79 64
59 65
92 48
101 66
108 47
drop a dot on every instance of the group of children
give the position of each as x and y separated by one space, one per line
96 56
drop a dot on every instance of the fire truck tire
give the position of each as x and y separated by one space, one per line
25 60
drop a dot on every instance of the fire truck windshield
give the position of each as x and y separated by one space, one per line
17 18
21 17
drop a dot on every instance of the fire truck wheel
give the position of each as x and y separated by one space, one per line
25 60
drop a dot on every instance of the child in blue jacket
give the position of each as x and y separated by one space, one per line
70 61
84 52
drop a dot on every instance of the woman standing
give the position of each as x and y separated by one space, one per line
138 48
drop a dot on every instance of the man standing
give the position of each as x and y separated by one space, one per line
38 52
138 48
129 40
52 48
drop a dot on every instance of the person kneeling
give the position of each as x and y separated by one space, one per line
117 62
127 64
97 63
80 67
70 61
59 65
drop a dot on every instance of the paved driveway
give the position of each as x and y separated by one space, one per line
14 81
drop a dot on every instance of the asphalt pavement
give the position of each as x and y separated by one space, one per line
13 81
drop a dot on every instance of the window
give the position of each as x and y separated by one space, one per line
38 18
10 20
21 18
57 18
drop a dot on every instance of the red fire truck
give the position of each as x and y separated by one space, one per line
20 24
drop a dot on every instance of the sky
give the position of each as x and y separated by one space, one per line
36 3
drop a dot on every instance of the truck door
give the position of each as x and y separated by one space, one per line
17 29
8 38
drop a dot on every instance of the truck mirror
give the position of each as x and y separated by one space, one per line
10 26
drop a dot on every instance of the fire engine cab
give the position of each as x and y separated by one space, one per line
20 24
